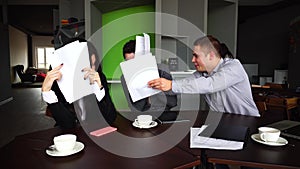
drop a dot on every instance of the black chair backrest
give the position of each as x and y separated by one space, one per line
19 69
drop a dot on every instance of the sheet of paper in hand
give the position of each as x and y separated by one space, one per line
142 45
137 73
75 57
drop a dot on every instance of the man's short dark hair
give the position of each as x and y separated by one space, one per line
129 47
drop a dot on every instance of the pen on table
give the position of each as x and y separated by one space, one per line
175 121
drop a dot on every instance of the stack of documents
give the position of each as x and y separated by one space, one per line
142 45
140 70
198 141
74 57
137 73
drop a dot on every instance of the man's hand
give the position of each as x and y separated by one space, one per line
161 84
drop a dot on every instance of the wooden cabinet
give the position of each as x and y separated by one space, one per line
273 100
284 104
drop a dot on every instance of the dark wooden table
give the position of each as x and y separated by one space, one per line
28 151
256 154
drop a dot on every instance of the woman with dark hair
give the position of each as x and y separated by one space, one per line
65 113
219 76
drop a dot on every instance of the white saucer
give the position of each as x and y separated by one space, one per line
78 147
136 124
280 142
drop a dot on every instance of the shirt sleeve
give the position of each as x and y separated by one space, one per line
99 92
226 76
49 97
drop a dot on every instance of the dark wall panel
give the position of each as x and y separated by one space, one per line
264 39
5 88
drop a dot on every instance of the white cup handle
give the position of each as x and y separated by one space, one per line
136 121
262 136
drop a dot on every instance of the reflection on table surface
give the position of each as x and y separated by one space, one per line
28 151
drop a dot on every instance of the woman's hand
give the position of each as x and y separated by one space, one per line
161 84
52 75
92 75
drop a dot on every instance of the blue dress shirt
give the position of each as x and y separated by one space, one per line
226 88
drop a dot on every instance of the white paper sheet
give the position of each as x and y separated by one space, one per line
142 45
75 57
139 45
212 143
137 73
147 43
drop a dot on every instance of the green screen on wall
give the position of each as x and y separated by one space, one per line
119 27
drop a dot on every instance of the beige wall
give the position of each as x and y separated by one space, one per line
40 41
18 50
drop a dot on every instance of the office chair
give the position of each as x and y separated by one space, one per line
25 77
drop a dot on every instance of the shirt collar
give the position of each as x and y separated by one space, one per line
217 67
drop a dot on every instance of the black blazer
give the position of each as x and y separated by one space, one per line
144 105
65 115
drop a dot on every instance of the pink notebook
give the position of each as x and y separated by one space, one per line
103 131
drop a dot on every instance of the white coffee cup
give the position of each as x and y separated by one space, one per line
144 119
269 134
65 142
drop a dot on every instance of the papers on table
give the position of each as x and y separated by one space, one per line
137 73
75 57
197 141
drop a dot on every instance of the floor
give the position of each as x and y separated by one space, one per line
27 85
24 114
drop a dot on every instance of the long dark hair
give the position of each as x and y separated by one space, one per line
92 50
211 42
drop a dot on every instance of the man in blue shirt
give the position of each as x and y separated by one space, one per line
219 76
